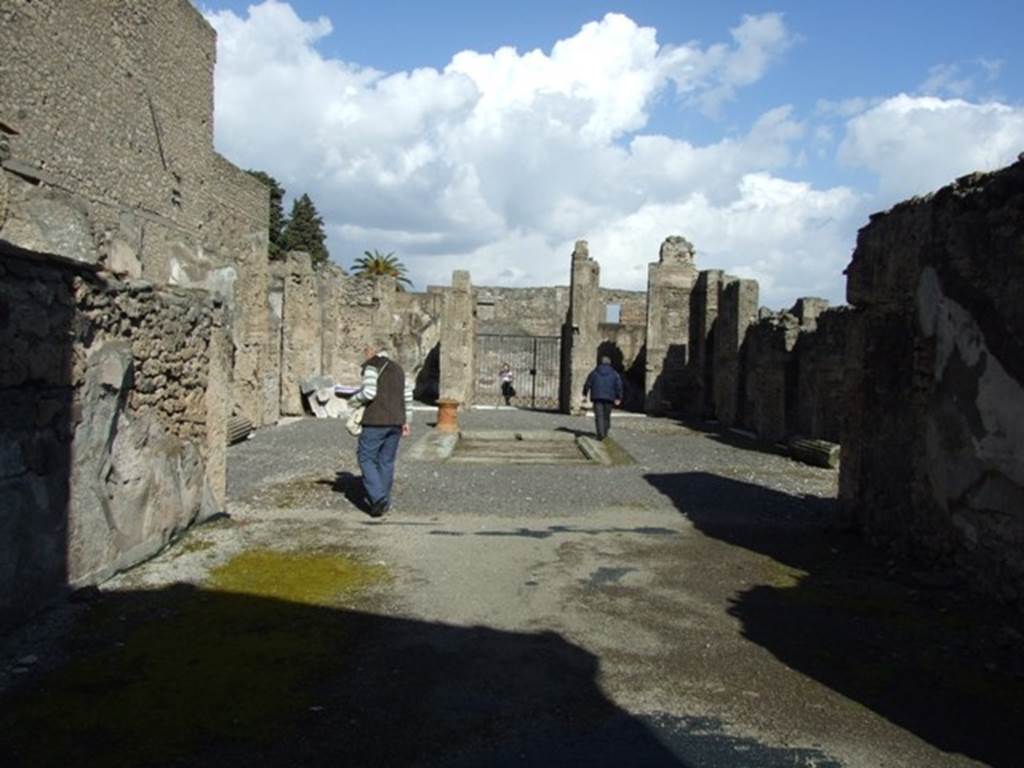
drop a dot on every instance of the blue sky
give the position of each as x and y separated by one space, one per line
491 136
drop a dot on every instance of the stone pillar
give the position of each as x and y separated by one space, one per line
458 336
703 316
770 385
301 350
670 282
217 399
249 325
581 333
820 353
271 372
335 347
737 310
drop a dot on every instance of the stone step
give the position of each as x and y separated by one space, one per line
474 459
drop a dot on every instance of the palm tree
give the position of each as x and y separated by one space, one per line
377 264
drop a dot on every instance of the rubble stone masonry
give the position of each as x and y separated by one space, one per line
106 108
933 450
112 436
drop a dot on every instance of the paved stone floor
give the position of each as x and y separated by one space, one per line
694 608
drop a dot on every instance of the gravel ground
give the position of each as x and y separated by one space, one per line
667 455
694 607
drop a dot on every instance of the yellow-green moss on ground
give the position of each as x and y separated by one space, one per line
307 578
159 673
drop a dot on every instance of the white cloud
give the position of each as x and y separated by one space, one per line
917 144
501 160
947 80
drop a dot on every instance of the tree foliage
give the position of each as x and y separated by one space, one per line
305 231
277 220
377 264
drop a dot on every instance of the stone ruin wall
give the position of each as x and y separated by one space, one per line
541 312
106 161
520 311
114 406
669 286
322 320
933 449
107 112
697 344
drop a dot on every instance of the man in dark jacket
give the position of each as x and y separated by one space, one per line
388 418
604 385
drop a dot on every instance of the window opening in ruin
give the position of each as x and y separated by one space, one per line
485 309
612 313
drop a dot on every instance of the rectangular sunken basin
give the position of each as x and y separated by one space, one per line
527 447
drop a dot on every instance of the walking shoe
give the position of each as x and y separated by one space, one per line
378 508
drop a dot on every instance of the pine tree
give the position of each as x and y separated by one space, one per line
277 222
305 231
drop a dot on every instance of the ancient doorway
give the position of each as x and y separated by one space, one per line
534 362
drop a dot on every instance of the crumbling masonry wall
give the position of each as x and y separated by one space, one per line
669 285
932 450
106 109
737 310
113 401
820 362
107 162
770 385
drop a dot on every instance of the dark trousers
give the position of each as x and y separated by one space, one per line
602 417
377 451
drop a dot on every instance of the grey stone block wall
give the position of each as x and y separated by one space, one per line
931 458
770 387
821 395
737 310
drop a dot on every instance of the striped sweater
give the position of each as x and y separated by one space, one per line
368 390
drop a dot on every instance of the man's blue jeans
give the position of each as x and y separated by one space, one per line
377 451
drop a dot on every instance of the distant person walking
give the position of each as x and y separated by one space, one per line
604 385
388 418
505 377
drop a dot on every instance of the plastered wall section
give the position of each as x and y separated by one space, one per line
933 450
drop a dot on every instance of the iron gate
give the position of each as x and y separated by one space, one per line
535 362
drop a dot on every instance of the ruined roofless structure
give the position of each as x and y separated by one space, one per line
139 311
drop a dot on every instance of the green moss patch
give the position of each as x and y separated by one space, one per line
157 675
310 579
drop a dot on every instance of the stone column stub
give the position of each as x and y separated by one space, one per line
458 337
581 335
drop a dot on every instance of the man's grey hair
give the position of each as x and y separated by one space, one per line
379 344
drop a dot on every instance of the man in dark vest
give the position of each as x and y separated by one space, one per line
388 418
604 385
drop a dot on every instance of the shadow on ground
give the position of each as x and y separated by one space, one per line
351 487
183 676
924 655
